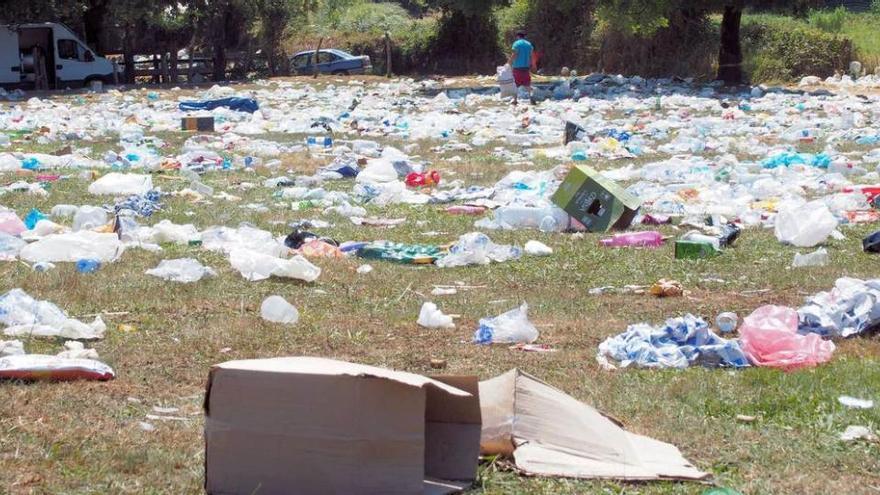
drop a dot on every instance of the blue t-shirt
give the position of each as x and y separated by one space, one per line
523 51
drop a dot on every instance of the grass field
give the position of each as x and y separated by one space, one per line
85 438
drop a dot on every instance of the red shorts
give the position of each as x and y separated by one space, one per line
522 77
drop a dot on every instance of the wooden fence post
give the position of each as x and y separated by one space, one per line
387 54
315 61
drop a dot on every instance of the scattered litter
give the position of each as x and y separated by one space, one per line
536 248
549 433
818 257
431 317
25 316
507 328
680 343
851 308
769 338
855 432
666 288
40 367
276 309
364 269
182 270
855 403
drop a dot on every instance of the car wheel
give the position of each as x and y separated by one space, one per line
340 72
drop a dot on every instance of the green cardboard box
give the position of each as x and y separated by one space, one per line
598 203
693 250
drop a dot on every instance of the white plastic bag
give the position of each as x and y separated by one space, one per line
431 317
74 246
89 217
258 266
512 327
537 248
818 257
122 184
183 270
806 225
25 316
477 249
506 82
277 310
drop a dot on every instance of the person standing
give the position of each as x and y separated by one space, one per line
522 63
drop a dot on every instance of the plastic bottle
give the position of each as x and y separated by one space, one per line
726 322
546 219
325 141
87 265
89 217
648 238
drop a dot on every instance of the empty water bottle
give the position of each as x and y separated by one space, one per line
88 265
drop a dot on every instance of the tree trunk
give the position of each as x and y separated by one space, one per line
219 59
172 59
128 56
730 54
93 24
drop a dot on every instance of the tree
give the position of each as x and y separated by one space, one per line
468 34
275 16
646 17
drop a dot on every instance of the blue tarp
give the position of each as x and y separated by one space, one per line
233 103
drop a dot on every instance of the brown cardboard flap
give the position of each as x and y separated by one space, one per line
452 430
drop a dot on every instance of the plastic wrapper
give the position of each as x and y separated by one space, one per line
74 246
512 327
122 184
477 249
806 225
40 367
680 343
183 270
255 266
25 316
850 308
276 309
431 317
769 338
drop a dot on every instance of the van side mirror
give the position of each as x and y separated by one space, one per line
89 57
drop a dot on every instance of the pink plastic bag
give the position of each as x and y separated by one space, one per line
769 337
10 223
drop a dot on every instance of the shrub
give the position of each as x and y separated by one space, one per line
774 52
830 21
373 18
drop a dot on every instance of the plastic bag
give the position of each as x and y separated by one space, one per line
10 223
806 225
512 327
258 266
183 270
89 217
276 309
477 249
26 316
818 257
431 317
74 246
10 246
769 338
122 184
506 82
537 248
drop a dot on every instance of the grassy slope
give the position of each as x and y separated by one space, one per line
84 437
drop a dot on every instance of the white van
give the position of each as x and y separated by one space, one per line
68 62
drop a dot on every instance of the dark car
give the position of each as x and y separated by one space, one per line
330 61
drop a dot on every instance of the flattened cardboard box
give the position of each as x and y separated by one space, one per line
596 202
318 426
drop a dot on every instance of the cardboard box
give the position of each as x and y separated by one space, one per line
317 426
202 124
693 250
596 202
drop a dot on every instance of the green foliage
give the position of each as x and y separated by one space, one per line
373 18
559 30
787 50
830 21
468 8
